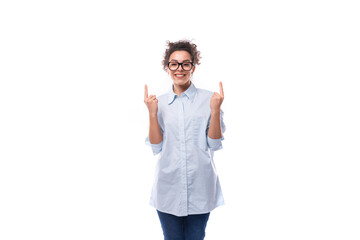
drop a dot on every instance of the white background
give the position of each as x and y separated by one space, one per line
73 162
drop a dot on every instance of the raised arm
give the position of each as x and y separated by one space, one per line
155 135
215 104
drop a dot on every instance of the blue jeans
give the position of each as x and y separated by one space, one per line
191 227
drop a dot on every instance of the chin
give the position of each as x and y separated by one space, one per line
181 82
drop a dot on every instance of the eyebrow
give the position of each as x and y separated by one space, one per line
177 61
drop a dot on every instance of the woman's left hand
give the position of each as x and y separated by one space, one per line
217 99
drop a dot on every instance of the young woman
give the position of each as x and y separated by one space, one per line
186 127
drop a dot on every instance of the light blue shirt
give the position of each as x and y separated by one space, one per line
186 181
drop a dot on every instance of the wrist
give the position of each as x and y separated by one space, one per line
215 111
153 114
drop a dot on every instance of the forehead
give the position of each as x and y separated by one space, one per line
180 56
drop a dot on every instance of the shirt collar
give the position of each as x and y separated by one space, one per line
190 93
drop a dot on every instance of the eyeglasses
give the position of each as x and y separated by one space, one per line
186 66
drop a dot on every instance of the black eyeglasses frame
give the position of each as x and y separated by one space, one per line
180 64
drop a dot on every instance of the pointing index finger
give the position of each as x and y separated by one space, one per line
221 89
146 92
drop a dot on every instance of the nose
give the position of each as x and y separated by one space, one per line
180 68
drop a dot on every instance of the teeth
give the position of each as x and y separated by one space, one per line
179 75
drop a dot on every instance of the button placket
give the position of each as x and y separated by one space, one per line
181 117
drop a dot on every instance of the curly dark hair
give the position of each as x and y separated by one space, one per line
181 45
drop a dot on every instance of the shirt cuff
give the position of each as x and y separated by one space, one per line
156 148
215 144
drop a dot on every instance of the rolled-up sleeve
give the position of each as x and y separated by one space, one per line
156 148
216 144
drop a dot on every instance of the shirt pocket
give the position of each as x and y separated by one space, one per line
198 131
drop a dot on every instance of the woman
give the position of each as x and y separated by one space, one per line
186 128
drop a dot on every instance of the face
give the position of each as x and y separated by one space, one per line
180 76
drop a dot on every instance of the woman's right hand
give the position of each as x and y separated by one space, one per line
151 102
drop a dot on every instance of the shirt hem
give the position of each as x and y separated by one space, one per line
189 213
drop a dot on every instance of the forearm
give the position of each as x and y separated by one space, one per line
155 135
215 126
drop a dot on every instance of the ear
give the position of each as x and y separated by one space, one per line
193 69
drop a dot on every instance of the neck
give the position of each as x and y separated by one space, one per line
178 89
